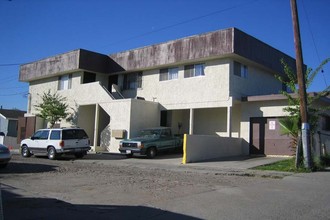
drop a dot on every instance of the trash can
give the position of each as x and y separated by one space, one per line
2 137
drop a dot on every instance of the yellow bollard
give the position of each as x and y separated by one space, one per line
184 158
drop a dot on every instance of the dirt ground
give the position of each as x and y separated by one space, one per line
45 189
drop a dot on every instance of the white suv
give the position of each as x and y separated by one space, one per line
57 141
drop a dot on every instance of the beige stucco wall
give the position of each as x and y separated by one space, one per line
258 109
258 82
211 121
182 117
38 87
144 114
79 94
120 114
130 115
211 90
206 147
86 120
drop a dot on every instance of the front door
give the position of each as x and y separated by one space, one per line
266 137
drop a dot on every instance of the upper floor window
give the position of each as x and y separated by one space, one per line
240 70
168 74
89 77
64 82
132 81
194 70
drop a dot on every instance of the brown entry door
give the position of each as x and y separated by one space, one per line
257 135
266 137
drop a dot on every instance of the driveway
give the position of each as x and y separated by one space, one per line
239 162
240 166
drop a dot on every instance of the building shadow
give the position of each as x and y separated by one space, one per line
18 207
19 168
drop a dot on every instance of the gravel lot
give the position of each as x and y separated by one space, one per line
106 180
107 186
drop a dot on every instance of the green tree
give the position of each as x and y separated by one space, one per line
291 125
52 108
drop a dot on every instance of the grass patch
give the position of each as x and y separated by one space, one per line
319 163
283 166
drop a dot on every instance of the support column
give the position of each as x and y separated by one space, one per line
229 121
29 103
96 125
191 121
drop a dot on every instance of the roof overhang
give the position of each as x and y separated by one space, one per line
72 61
228 43
278 97
225 43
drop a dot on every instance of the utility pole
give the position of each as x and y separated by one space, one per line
305 130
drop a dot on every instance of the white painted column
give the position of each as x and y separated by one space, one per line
191 121
29 103
96 125
229 121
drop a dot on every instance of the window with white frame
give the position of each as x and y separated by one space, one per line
240 70
132 81
65 82
194 70
168 74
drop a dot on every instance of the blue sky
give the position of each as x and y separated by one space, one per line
35 29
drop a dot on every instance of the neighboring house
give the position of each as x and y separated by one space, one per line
9 126
9 121
218 83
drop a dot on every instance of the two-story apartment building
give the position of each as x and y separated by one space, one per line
218 83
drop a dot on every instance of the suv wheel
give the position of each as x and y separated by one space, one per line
51 153
129 155
79 155
151 152
25 151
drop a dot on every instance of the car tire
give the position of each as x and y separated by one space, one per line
129 155
25 152
3 165
79 155
151 152
51 153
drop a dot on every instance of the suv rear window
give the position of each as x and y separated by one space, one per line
73 134
55 135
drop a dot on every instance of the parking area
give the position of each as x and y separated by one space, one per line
230 165
111 186
174 160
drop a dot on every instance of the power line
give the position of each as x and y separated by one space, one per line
156 30
183 22
314 44
11 64
15 94
15 87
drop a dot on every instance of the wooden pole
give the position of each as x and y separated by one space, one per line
305 130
